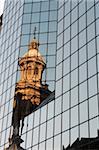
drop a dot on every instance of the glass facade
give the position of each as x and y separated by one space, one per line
68 32
9 51
77 60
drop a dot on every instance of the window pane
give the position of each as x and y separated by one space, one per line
65 139
67 21
92 67
74 14
58 104
50 128
91 34
74 29
36 7
90 4
82 55
66 101
82 72
60 40
52 26
29 139
74 44
59 88
60 27
44 6
92 86
43 27
74 61
58 124
67 35
67 7
57 142
66 80
81 8
26 29
26 18
74 116
50 109
83 91
44 16
93 107
74 96
36 117
27 8
84 130
97 10
43 114
94 126
60 13
50 74
59 71
59 55
35 17
74 78
42 132
91 48
65 120
83 111
53 15
90 16
74 134
66 50
35 136
49 144
42 146
66 66
82 22
82 38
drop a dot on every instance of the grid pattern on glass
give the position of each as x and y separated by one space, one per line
43 16
77 69
9 51
30 14
72 114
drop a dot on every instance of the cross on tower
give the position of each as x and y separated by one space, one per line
34 32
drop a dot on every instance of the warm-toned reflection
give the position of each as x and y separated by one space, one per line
32 65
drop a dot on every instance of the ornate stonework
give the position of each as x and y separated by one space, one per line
32 65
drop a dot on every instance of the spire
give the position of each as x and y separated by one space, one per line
34 33
34 44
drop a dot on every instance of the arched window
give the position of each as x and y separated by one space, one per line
29 70
36 71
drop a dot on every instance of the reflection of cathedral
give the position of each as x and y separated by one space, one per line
32 65
29 91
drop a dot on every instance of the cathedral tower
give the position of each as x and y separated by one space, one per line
32 65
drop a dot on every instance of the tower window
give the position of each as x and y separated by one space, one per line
36 71
29 70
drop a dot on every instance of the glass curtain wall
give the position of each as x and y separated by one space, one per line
77 68
75 111
19 20
43 16
39 126
9 51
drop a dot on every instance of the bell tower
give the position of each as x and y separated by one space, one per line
31 65
29 90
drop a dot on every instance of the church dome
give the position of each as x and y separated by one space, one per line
33 52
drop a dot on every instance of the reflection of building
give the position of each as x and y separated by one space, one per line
30 85
29 91
72 67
